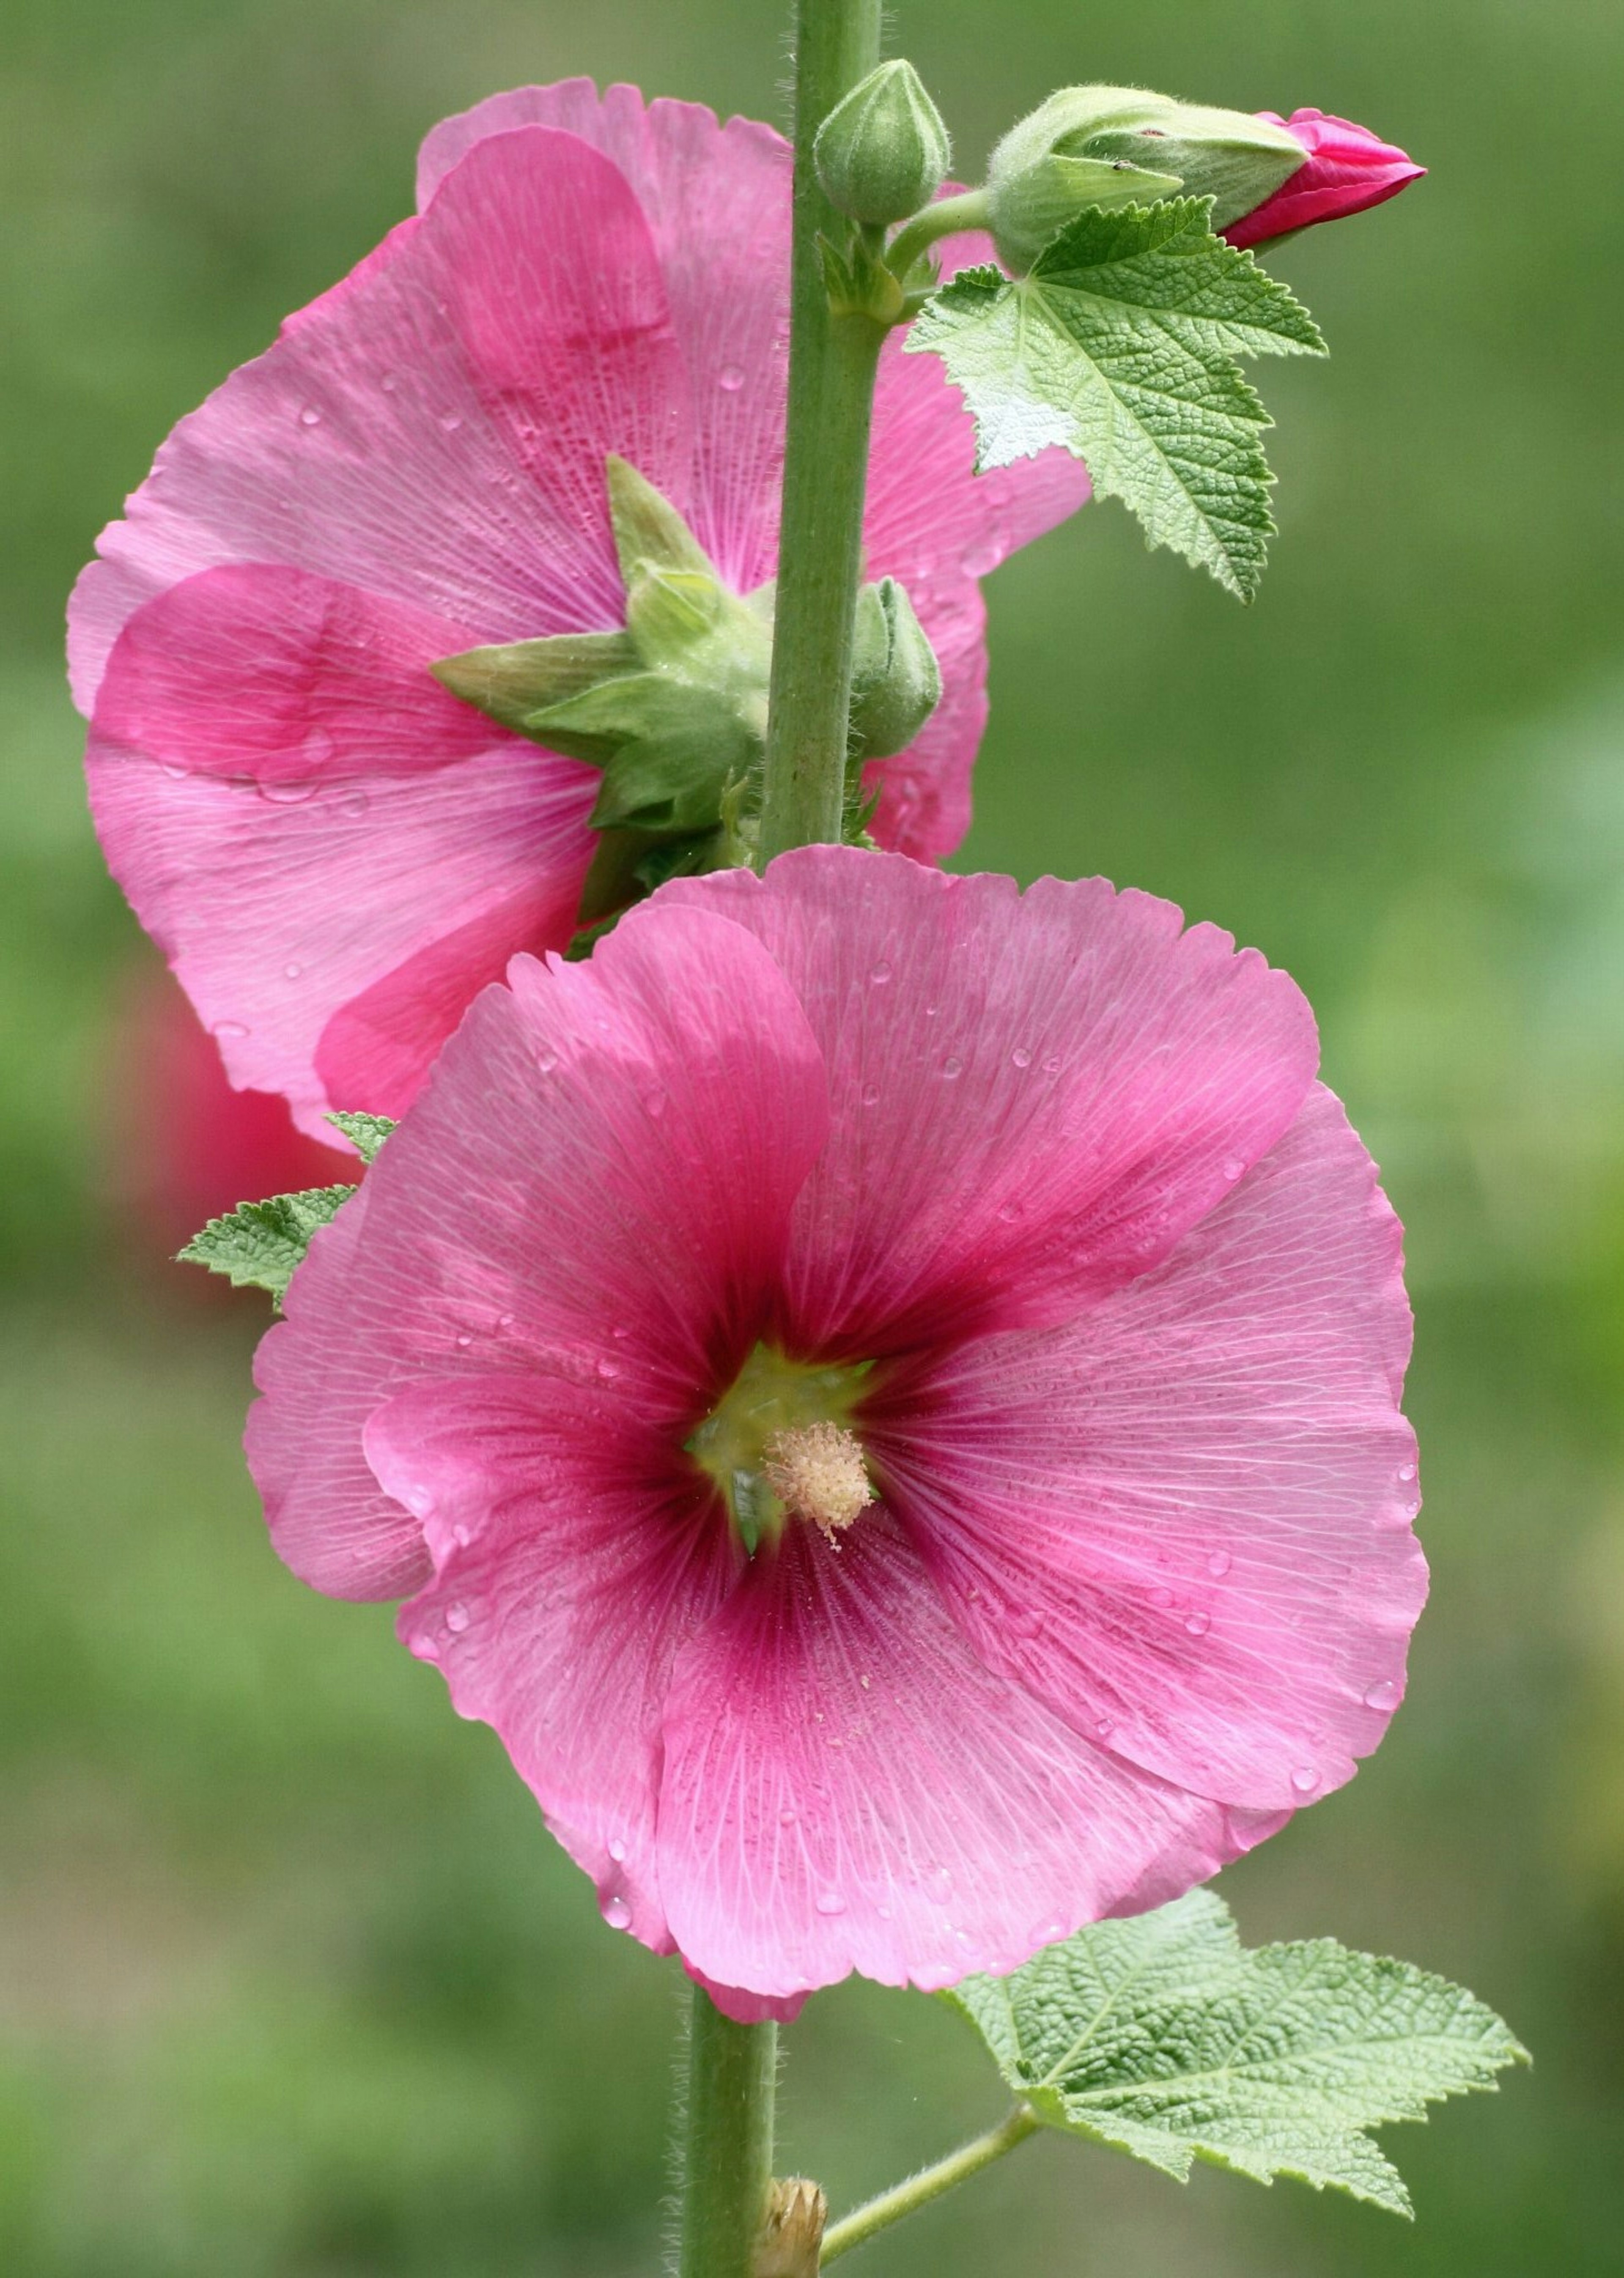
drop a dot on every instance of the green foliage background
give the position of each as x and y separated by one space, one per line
292 1983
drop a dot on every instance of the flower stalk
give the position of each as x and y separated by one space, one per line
856 2229
833 360
727 2151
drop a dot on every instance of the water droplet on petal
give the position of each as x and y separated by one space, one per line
354 804
981 558
952 1065
1198 1624
228 1030
1161 1596
1232 1167
1406 1470
457 1618
175 774
1051 1066
616 1913
546 1062
449 422
292 969
880 974
655 1103
310 417
317 747
1384 1695
786 1818
389 382
871 1095
1219 1564
616 1849
938 1884
1105 1728
1021 1058
1304 1779
830 1902
461 1536
609 1368
729 379
287 791
504 1321
464 1339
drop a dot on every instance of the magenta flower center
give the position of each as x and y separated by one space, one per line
781 1443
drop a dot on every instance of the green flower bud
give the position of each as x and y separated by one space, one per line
1133 147
883 151
896 680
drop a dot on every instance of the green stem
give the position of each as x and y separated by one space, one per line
929 2183
727 2151
945 219
833 365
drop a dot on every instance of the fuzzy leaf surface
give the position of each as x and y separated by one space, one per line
1121 344
258 1245
1166 2038
365 1132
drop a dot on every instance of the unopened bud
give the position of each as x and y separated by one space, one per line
896 680
883 151
1128 146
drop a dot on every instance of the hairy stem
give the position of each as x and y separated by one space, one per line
727 2148
833 365
946 219
929 2183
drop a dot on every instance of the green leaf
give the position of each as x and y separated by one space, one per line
1163 2037
257 1245
1121 345
365 1132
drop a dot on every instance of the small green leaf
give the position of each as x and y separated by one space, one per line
1121 345
365 1132
1166 2038
258 1245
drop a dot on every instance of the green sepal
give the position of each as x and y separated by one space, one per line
259 1245
1164 2037
1121 346
365 1132
648 531
514 682
1029 209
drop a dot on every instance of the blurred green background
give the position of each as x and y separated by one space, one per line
292 1983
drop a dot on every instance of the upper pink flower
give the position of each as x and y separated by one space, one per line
1038 1201
1348 168
335 853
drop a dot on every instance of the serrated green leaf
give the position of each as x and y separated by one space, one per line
1164 2037
258 1245
365 1132
1121 345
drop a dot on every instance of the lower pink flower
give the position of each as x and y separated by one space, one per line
884 1392
1349 168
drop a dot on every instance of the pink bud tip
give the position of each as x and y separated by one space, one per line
1348 168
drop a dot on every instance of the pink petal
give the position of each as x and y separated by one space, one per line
1034 1096
716 199
334 853
572 1559
592 1190
1185 1520
435 432
847 1787
1349 170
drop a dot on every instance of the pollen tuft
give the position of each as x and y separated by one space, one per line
816 1471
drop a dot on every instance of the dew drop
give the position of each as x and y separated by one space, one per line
1406 1471
730 379
1021 1058
616 1913
310 417
175 774
609 1368
616 1849
464 1339
938 1884
449 422
1161 1596
870 1095
457 1618
1383 1695
287 791
1051 1066
980 559
1304 1779
546 1062
390 381
655 1103
1232 1167
292 969
1219 1564
354 804
317 747
461 1536
952 1066
1198 1624
786 1818
880 974
1105 1728
504 1322
228 1030
830 1902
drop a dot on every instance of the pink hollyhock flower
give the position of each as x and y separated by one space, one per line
1348 168
996 1267
335 853
183 1146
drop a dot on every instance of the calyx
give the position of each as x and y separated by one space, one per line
673 707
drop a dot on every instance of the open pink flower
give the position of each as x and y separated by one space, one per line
999 1260
1349 168
335 853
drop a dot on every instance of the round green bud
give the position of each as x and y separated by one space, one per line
896 680
1113 145
883 151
